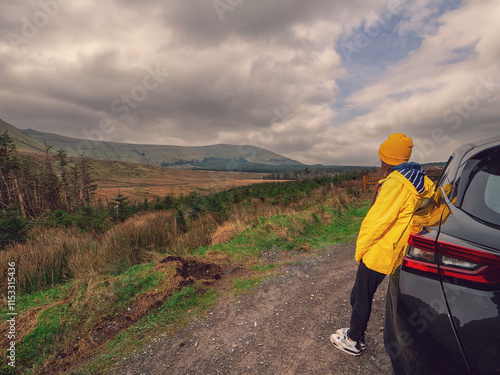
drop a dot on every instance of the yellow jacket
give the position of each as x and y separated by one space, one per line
386 228
433 212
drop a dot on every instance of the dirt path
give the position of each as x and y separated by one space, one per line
281 328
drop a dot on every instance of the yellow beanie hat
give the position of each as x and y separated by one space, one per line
396 149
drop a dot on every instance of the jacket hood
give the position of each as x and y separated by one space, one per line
414 173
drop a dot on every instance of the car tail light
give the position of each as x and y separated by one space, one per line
450 260
421 255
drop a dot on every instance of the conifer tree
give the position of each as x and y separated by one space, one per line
51 183
120 208
14 226
63 171
87 185
8 192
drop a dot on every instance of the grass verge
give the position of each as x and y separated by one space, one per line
293 231
81 308
177 311
50 320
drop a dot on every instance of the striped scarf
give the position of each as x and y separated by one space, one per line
413 173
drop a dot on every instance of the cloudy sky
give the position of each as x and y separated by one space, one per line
319 81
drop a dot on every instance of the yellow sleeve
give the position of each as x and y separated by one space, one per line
432 213
382 215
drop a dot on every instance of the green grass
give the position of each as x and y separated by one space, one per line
107 295
29 301
54 324
244 285
179 309
134 281
88 302
341 229
300 231
262 267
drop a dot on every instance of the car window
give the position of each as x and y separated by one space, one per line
492 193
482 194
444 174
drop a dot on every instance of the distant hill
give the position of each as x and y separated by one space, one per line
215 157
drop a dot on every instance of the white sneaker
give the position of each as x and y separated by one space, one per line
343 343
343 331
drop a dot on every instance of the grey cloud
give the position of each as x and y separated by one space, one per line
226 79
198 21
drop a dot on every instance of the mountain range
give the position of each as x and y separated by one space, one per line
214 157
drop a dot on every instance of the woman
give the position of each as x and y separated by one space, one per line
383 234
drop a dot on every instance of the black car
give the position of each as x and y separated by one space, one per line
443 304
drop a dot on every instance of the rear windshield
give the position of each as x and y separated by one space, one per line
482 195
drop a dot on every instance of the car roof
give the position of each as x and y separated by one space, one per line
465 151
485 141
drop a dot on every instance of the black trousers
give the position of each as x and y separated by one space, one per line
367 282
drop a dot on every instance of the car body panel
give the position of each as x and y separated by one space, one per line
474 308
476 319
418 334
441 324
428 341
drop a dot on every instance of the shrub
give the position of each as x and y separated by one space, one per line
14 227
58 218
92 219
121 208
129 242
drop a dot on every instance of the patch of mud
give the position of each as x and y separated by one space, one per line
181 272
192 269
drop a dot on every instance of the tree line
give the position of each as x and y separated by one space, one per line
57 191
37 186
314 172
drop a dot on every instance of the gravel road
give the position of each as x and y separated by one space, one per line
282 327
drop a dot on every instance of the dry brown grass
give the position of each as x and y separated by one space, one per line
136 238
139 181
55 255
199 232
50 257
227 231
173 182
241 217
